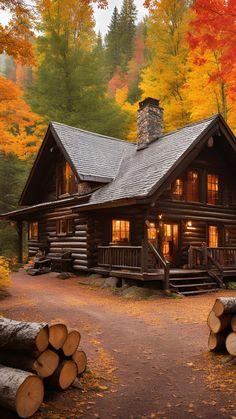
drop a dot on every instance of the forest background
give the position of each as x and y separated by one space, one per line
54 66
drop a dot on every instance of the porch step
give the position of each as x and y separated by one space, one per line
199 291
190 278
202 284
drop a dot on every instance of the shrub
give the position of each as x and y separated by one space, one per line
5 280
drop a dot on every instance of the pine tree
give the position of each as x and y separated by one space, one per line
113 43
70 84
127 28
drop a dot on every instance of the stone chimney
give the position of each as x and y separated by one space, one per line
150 122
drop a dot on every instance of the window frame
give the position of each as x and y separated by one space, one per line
32 237
179 187
211 237
68 229
217 200
121 240
66 179
188 183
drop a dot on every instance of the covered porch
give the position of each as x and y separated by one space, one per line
147 263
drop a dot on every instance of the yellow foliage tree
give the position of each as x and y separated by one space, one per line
5 280
19 126
166 75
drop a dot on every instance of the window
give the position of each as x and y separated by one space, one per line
212 189
66 179
177 190
213 236
120 231
152 231
65 226
192 186
33 231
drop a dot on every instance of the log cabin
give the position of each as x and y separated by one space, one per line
161 209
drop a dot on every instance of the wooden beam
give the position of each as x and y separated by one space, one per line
19 229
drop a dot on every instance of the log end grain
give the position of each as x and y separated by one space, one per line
72 342
231 343
57 335
80 358
233 323
46 363
64 375
29 396
42 339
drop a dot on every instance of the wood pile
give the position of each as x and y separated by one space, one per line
34 354
222 325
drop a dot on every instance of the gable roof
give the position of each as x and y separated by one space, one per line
142 172
92 156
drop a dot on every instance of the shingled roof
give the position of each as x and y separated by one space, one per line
142 171
93 156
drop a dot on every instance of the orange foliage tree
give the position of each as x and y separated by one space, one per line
213 31
18 124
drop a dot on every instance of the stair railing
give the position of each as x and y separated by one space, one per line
218 274
164 263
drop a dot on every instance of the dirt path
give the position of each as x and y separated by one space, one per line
148 358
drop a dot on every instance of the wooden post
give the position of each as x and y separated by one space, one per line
144 261
204 254
19 229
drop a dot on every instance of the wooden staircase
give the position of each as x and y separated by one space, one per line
192 283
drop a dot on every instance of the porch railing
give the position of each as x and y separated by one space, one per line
162 263
120 257
198 256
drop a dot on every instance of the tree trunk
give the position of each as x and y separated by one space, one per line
217 324
233 323
231 343
57 335
72 342
23 335
80 358
20 391
216 341
43 364
64 375
224 305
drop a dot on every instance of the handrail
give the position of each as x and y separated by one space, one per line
219 277
164 263
119 247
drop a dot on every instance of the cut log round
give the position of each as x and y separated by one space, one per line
216 341
72 342
233 323
57 335
23 335
231 343
224 305
217 324
20 391
80 358
64 375
43 364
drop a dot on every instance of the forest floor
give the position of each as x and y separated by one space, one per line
146 359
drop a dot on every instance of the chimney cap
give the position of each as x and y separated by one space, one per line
148 101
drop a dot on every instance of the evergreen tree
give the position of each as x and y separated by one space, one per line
13 172
127 28
113 43
70 84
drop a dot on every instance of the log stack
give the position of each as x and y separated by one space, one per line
34 354
222 325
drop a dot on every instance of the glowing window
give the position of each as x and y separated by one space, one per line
33 231
212 189
213 236
67 181
120 231
152 231
192 186
177 190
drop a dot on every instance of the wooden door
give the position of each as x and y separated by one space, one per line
170 246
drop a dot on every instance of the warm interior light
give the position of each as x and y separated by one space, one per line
189 224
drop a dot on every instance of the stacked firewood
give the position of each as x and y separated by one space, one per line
33 355
222 324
